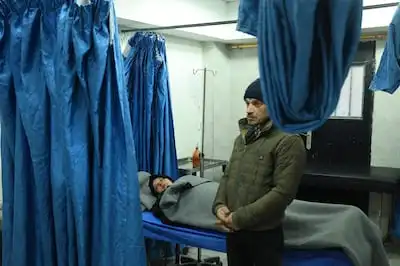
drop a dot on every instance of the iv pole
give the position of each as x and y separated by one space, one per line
203 122
195 71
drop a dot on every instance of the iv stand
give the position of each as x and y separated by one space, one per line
195 71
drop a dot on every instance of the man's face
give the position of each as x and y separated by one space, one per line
161 184
256 112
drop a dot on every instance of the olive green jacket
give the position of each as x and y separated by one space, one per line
262 177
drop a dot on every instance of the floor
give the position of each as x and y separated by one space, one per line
395 261
394 255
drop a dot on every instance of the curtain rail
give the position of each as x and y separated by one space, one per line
381 5
216 23
194 25
364 38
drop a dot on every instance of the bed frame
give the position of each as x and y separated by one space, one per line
181 258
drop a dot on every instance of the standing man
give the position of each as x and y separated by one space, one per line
261 180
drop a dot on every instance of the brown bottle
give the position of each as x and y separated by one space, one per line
196 158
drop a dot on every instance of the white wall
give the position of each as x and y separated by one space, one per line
385 148
186 92
244 69
218 101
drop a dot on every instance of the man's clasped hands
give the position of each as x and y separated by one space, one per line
224 219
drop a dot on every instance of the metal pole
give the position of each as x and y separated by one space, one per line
381 5
203 122
194 25
224 22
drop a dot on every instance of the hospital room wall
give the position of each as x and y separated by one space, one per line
385 147
218 126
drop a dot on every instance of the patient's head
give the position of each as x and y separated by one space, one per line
159 183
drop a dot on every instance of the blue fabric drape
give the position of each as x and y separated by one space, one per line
387 78
147 79
305 50
69 168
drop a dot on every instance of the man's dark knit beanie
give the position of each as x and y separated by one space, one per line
253 91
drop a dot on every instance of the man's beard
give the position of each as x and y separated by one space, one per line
255 121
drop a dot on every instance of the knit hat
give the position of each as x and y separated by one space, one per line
253 91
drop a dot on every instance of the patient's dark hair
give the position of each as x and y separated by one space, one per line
151 180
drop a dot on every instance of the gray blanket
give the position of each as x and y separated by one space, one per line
307 225
147 200
313 225
180 202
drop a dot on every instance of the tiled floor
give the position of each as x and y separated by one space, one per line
394 255
395 261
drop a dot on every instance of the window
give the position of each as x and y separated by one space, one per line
350 105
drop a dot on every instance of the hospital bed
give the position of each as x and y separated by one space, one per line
202 239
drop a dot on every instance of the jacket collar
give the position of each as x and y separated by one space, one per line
257 130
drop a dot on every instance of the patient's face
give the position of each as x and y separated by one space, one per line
161 184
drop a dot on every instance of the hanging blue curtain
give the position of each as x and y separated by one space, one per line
305 50
69 168
387 78
147 79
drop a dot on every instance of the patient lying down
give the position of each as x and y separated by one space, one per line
307 225
159 183
187 201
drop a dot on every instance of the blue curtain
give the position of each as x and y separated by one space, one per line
305 50
147 79
69 167
387 78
